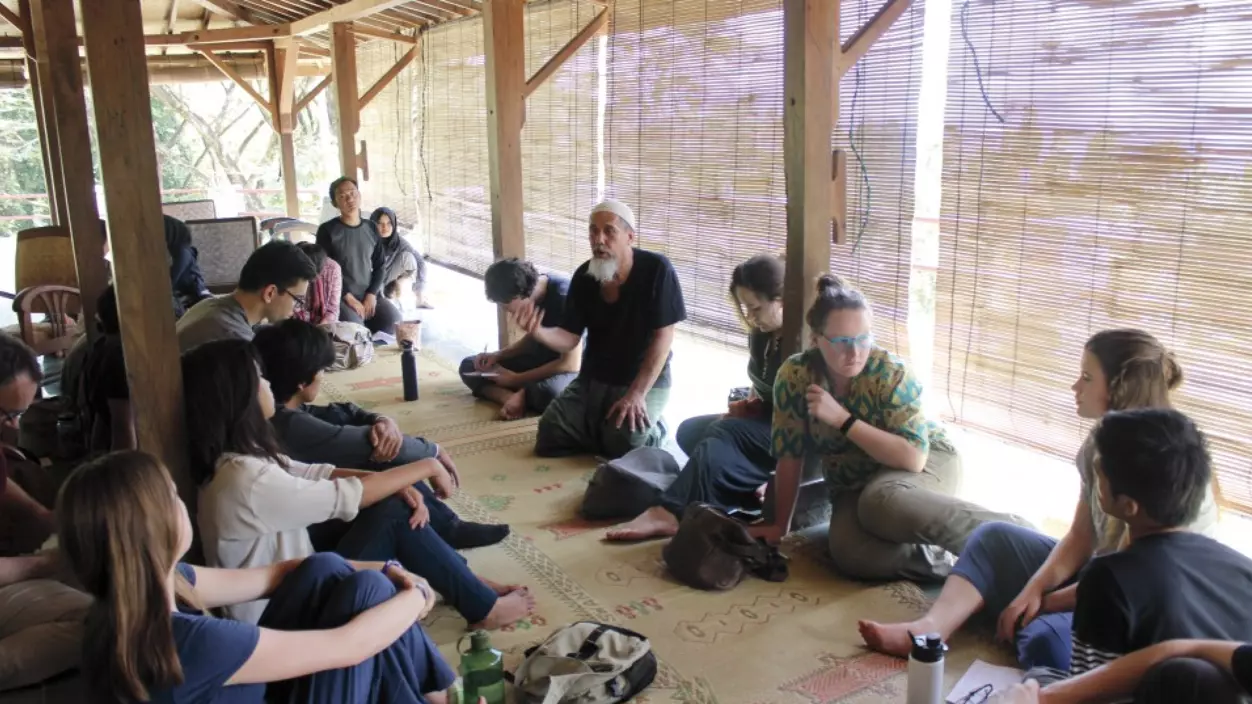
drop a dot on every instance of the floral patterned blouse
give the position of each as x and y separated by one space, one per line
885 394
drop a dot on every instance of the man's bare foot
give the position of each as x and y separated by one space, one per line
515 407
502 589
509 609
656 522
893 638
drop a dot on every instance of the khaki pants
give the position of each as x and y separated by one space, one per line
41 631
906 525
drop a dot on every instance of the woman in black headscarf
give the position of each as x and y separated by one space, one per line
402 259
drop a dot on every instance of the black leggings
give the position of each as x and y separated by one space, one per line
386 315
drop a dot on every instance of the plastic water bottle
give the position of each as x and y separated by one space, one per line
926 669
482 670
408 370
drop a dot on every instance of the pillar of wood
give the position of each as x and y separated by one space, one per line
119 89
283 92
40 93
343 72
810 46
56 42
506 90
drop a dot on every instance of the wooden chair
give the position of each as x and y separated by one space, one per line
57 333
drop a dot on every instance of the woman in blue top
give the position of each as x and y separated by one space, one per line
334 631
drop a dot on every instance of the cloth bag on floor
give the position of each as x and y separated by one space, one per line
628 486
714 551
353 345
586 663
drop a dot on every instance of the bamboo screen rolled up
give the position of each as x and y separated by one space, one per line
1097 174
877 129
452 162
694 140
387 129
560 142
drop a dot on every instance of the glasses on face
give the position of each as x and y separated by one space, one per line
295 297
8 417
848 345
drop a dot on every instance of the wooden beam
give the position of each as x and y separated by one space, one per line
238 80
230 9
567 52
45 116
505 45
291 182
385 80
315 91
248 47
384 34
171 20
859 43
314 50
12 18
347 12
52 23
218 36
123 109
810 47
286 67
343 69
273 86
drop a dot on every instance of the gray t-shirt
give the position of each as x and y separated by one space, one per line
220 318
359 253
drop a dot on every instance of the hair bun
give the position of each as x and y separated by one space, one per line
1172 370
829 283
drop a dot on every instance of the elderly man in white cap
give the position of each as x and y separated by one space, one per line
628 301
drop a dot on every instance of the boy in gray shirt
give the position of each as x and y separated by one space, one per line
274 278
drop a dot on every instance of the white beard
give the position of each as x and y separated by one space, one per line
602 270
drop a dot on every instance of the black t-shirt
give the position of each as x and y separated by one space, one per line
618 334
103 379
1241 665
552 305
1162 587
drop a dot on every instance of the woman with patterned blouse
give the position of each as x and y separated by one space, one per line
1025 579
729 453
891 472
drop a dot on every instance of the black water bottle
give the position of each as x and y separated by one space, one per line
408 369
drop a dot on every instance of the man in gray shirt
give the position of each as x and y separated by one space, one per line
353 242
274 278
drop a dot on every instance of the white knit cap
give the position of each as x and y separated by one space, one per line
619 209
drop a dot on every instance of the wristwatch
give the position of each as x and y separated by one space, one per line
847 424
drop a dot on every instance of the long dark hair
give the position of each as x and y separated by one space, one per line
118 526
220 381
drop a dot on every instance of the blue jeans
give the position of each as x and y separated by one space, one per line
999 559
381 532
326 592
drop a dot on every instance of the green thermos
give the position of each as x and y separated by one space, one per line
482 670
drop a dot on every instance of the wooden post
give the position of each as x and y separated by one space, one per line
506 86
45 113
119 89
282 71
52 22
343 71
810 45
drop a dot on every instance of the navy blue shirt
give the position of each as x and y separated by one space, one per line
210 650
618 333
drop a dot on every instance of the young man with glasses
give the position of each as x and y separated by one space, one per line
274 279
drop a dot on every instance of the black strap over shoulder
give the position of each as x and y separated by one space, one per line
590 645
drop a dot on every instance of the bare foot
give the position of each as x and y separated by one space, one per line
656 522
892 638
502 589
509 609
515 407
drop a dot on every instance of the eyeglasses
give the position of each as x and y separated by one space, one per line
8 417
845 345
298 299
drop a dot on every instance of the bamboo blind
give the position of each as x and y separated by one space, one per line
1116 192
694 144
387 129
452 163
694 140
560 141
877 129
